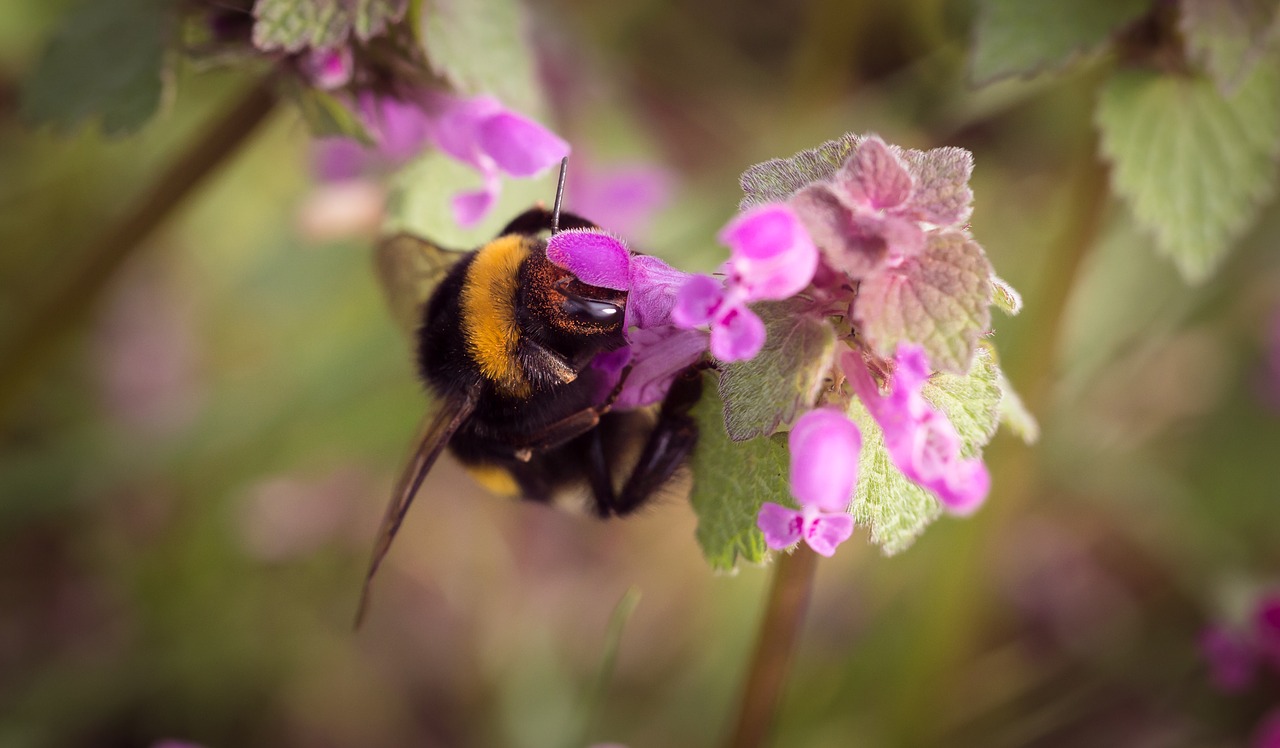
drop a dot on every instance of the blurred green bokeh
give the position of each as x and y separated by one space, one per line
191 475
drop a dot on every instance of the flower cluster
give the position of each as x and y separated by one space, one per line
825 244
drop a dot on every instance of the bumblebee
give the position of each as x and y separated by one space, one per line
505 340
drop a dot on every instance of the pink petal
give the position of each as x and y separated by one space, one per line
454 125
1232 662
402 129
595 257
518 145
824 446
470 207
824 532
339 159
659 356
623 197
697 301
1266 627
875 177
773 256
737 335
654 286
781 526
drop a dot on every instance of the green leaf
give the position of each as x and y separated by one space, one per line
108 61
295 25
479 46
1228 38
326 116
894 509
1005 297
777 179
1194 166
940 299
765 392
1014 413
1024 37
971 402
731 480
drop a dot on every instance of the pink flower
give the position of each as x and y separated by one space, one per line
771 257
824 447
920 439
1231 659
327 69
477 131
1266 628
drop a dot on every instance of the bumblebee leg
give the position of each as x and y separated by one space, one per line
669 444
560 432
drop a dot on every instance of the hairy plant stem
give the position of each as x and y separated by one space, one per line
67 303
784 613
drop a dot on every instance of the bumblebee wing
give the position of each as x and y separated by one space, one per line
434 434
410 268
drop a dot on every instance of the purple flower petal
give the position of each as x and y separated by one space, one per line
1232 662
595 257
823 532
454 124
401 129
659 356
875 177
773 256
1266 628
921 441
653 288
518 145
697 301
781 526
470 207
737 335
824 446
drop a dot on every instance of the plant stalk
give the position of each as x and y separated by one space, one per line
67 303
789 596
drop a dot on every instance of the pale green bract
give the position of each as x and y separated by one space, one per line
1228 39
295 25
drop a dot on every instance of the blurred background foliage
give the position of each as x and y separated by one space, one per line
194 457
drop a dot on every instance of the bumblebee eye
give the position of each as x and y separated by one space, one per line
590 310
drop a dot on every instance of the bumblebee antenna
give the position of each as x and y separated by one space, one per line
555 211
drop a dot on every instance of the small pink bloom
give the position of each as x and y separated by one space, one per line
823 531
654 288
824 447
921 440
1232 662
697 301
772 254
595 257
657 356
328 69
737 334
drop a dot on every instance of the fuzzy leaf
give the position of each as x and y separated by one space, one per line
295 25
762 393
325 115
1024 37
942 195
940 299
1194 166
1006 297
479 46
971 402
1228 37
1014 413
777 179
107 60
894 509
731 480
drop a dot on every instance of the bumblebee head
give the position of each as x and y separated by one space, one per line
566 313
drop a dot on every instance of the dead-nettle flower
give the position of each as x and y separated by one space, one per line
327 69
869 249
771 258
477 131
1236 653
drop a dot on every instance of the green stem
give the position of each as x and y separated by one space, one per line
788 599
20 357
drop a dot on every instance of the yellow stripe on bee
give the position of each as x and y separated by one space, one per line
489 312
495 480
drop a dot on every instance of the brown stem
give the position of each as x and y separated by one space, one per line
788 599
66 304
